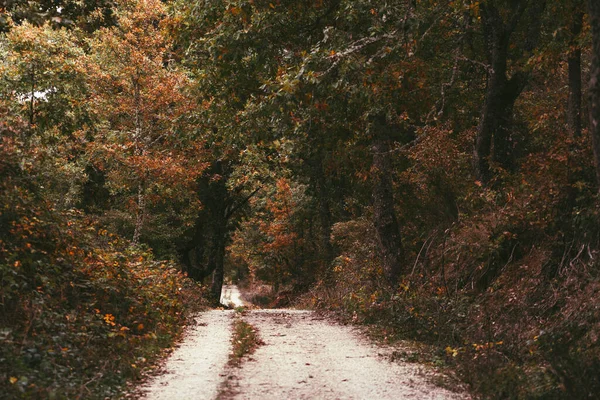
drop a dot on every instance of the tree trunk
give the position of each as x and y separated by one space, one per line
219 267
205 253
32 98
95 195
573 112
574 63
139 151
493 141
141 213
323 199
594 88
223 211
384 217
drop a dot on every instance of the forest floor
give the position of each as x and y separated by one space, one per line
302 355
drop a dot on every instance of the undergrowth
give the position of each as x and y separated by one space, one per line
506 293
525 334
82 312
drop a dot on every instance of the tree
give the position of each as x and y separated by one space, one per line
594 85
140 102
87 14
41 71
234 48
498 25
574 65
384 217
43 81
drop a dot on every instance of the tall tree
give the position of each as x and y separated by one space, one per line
140 102
574 72
384 215
594 85
499 22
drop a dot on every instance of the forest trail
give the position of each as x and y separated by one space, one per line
304 356
231 296
195 369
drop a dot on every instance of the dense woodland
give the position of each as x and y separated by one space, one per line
430 168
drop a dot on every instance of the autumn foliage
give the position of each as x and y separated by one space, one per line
82 311
74 296
423 167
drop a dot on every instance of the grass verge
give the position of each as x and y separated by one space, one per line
245 341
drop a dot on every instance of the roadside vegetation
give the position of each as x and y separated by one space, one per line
83 312
85 303
245 340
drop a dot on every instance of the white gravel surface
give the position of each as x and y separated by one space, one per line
308 357
304 356
195 370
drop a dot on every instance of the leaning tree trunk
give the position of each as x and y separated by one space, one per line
594 88
205 254
212 225
389 237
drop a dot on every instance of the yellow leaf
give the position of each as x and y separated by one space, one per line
13 379
451 352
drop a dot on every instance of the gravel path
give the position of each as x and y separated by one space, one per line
308 357
195 370
304 356
231 296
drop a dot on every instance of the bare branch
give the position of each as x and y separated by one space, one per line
355 47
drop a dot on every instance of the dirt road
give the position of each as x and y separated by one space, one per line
231 296
304 356
194 370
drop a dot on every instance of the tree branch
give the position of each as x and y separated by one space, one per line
241 203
